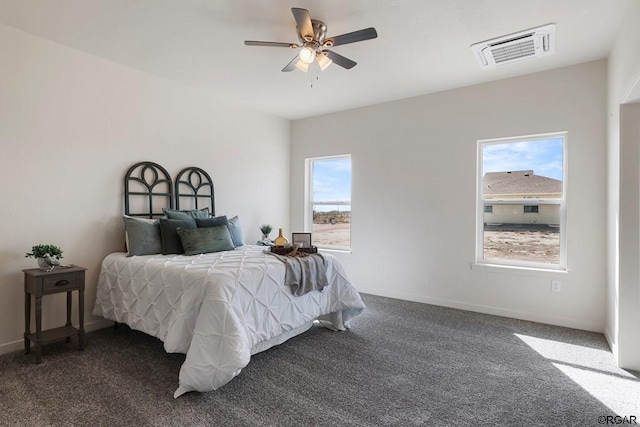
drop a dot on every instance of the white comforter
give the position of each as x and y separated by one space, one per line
218 308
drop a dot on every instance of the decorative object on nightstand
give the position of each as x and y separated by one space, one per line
266 241
280 240
294 250
300 246
266 230
39 283
48 256
302 239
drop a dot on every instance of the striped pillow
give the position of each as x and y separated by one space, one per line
205 240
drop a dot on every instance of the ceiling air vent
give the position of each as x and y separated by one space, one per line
515 47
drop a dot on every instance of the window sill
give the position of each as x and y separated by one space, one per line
341 251
511 269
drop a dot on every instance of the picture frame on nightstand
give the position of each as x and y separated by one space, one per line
302 239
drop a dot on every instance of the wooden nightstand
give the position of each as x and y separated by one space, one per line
39 283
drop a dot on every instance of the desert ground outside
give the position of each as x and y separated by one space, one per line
338 234
521 242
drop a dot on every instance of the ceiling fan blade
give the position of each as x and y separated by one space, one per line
356 36
269 44
303 22
291 65
340 60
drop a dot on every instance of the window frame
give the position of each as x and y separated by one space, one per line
309 203
561 202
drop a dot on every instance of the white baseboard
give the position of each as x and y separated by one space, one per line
496 311
88 327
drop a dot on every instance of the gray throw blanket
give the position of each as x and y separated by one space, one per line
304 274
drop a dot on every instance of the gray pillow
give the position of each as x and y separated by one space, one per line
186 214
212 222
236 231
170 239
144 236
205 240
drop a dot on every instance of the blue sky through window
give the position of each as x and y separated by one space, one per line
544 156
332 179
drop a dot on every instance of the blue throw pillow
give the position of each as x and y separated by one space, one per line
186 214
143 236
236 231
169 230
215 221
205 240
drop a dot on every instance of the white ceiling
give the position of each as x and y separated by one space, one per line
422 45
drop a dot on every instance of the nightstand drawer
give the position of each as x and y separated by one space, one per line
60 283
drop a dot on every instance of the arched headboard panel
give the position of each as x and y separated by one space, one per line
147 189
194 190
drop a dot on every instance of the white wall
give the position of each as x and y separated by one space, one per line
70 126
629 239
623 280
414 189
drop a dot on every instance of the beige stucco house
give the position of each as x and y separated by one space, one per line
519 185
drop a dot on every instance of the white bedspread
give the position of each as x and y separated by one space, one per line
218 308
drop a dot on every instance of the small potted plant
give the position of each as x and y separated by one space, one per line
39 252
266 229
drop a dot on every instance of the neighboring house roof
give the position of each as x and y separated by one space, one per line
519 182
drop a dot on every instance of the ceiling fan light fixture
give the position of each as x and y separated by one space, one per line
307 55
302 66
323 61
312 36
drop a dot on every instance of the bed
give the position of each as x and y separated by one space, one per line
218 308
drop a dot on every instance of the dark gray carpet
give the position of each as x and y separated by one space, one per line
401 364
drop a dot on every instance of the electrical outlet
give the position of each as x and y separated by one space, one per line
556 286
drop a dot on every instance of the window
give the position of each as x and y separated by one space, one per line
521 201
328 213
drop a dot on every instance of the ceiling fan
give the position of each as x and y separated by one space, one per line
314 43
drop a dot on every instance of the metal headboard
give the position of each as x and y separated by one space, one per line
152 182
195 184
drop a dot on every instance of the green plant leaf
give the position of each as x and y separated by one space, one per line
39 251
265 228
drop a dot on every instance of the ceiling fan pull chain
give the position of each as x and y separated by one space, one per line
311 75
316 73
